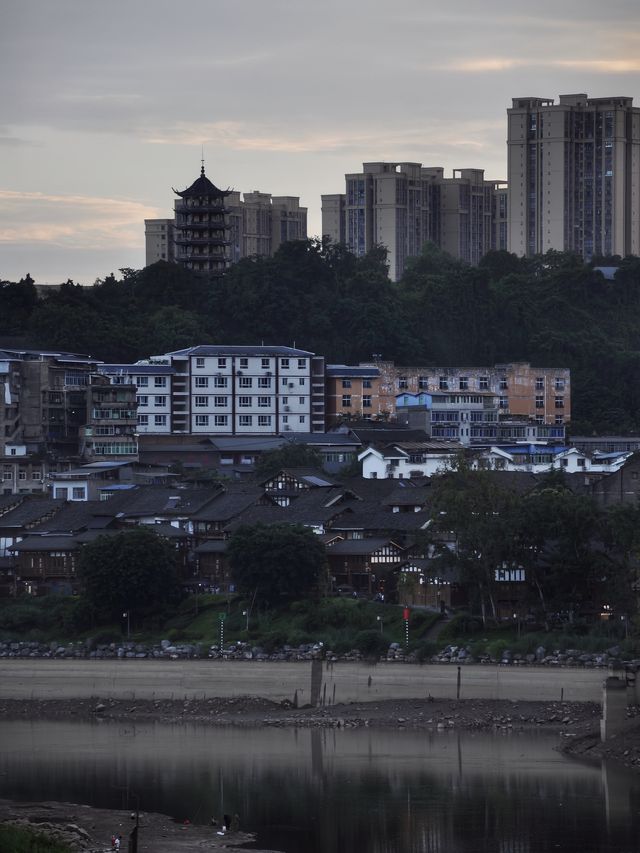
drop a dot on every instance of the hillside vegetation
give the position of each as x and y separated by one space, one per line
550 311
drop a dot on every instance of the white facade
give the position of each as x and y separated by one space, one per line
153 395
396 463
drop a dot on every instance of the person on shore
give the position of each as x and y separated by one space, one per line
117 842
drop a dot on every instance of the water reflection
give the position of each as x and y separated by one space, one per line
328 790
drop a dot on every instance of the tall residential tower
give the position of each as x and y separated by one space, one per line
574 175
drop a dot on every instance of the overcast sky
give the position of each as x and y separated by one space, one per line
104 106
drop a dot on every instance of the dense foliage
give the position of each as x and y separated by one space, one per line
577 556
553 311
276 563
132 571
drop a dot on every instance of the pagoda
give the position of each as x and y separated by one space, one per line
201 227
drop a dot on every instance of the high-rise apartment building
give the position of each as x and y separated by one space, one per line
260 223
402 206
574 175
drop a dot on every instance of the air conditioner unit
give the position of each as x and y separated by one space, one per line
238 373
287 428
287 408
291 385
268 373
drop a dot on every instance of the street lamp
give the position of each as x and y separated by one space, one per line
379 621
126 616
245 613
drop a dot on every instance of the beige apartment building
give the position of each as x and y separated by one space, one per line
574 175
542 394
260 223
402 206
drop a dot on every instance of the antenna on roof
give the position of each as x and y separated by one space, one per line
202 169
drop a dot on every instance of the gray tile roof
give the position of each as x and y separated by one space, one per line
249 350
30 511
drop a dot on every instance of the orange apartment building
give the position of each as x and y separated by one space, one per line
542 394
352 392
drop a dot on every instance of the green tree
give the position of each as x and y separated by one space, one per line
287 456
132 570
278 562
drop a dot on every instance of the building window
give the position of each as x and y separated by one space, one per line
402 383
346 401
559 419
540 383
244 402
463 383
202 420
160 382
245 382
366 383
301 400
36 475
284 382
285 401
202 381
200 362
503 383
160 420
159 401
483 383
284 362
220 420
244 363
22 475
142 381
559 383
143 420
302 381
423 383
302 418
366 401
264 402
503 402
559 402
302 363
285 419
219 382
143 400
539 402
202 401
264 363
264 382
264 420
346 383
245 420
539 419
443 383
222 362
78 493
220 402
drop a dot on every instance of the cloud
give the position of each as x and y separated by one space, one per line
243 137
491 64
71 221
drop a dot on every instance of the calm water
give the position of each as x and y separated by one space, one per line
326 791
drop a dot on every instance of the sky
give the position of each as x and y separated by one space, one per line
105 106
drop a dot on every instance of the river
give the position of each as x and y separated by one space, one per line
332 791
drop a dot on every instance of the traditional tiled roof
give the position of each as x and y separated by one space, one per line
358 546
30 511
248 350
202 186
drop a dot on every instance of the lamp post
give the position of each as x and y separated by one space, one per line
379 620
245 613
127 616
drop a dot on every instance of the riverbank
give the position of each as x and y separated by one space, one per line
568 718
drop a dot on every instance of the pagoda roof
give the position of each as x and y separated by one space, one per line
202 186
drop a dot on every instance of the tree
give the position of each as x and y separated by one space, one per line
132 570
279 562
287 456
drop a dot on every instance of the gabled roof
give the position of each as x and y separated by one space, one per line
30 511
248 350
313 477
359 546
228 505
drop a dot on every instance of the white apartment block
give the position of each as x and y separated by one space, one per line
402 206
227 390
154 392
574 175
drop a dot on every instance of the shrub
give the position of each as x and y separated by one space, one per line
371 643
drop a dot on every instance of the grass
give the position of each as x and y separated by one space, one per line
18 840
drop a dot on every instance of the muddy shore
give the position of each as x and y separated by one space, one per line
576 724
